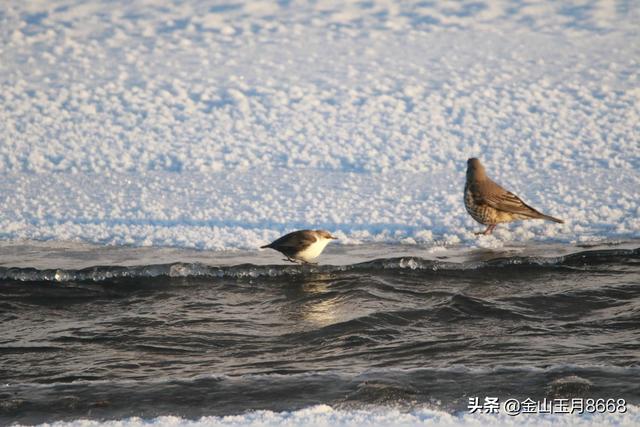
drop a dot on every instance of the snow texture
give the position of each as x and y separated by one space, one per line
326 416
223 125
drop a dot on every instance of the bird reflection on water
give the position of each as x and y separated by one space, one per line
314 303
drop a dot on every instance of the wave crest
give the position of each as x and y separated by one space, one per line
406 265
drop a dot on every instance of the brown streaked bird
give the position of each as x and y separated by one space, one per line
302 246
490 204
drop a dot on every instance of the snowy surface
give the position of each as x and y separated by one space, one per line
325 416
222 125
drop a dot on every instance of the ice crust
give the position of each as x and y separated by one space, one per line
222 126
324 416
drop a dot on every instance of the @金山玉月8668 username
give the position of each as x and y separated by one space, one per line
493 405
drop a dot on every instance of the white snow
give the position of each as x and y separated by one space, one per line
222 126
325 416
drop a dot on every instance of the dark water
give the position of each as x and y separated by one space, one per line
192 339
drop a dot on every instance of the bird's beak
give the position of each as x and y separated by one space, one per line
334 238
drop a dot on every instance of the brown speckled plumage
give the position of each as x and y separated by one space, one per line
490 204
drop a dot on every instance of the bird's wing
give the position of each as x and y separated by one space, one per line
503 200
295 240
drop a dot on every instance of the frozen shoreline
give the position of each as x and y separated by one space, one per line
244 210
323 415
23 255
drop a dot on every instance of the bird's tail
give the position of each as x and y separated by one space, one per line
550 218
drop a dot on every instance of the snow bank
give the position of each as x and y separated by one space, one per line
247 209
323 415
220 126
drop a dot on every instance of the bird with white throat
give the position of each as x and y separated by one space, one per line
302 246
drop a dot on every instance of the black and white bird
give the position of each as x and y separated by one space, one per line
302 246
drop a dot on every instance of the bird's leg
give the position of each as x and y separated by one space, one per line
290 260
488 231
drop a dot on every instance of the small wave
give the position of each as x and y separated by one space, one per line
333 375
252 271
